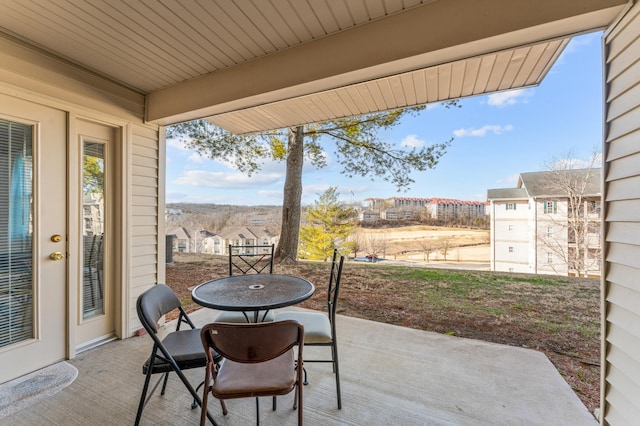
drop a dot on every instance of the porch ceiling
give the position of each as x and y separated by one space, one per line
268 64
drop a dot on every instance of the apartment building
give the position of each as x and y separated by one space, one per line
442 209
549 224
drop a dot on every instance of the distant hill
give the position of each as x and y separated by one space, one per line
216 217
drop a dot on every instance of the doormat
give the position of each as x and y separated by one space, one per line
27 390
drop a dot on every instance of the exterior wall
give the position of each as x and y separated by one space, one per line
147 258
621 285
33 76
550 237
509 236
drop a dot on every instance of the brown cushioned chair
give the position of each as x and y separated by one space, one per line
258 361
320 328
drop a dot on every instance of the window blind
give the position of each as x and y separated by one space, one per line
16 233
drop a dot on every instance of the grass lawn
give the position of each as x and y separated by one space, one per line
559 316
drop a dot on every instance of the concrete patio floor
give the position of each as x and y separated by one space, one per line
390 376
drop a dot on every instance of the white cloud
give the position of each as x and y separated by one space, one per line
272 194
197 158
510 97
412 141
577 163
224 180
489 128
177 144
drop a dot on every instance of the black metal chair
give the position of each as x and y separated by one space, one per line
254 259
259 360
179 350
320 328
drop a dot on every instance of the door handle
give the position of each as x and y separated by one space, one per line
56 255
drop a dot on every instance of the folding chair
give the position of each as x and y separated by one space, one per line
320 329
258 361
178 351
254 259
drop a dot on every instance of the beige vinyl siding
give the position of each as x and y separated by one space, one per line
621 282
37 72
143 265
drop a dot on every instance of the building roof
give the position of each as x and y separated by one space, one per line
552 183
556 183
181 233
453 201
507 194
245 232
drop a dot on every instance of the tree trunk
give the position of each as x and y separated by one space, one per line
287 250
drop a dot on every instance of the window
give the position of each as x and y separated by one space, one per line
510 249
549 231
16 233
510 227
510 206
549 258
510 269
550 207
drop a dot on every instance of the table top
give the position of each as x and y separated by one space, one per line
252 292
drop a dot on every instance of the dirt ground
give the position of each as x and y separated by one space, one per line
427 243
513 318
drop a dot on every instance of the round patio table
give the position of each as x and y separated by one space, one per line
252 293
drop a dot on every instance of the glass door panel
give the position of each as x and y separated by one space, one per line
93 208
16 232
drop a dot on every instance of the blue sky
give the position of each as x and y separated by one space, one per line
496 137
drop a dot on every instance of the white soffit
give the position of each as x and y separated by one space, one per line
151 44
500 71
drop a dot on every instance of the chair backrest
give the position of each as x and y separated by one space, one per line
254 342
153 304
334 284
254 259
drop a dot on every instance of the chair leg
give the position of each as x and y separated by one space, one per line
257 411
142 403
336 370
164 383
299 399
193 392
205 397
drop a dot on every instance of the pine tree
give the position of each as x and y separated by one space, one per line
330 223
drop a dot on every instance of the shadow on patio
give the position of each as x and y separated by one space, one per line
390 376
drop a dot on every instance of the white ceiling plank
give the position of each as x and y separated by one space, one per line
305 13
408 88
486 68
263 23
420 84
444 82
326 17
513 69
471 76
397 92
547 59
431 77
458 75
530 61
